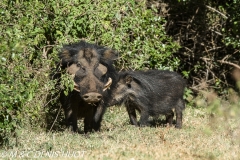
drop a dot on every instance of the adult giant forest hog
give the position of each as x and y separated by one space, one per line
151 93
91 67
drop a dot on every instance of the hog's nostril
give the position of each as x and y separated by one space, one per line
92 97
85 97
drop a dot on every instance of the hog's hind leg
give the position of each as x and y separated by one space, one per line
132 115
180 106
169 118
144 119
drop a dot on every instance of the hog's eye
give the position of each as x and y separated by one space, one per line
129 85
80 74
79 65
84 69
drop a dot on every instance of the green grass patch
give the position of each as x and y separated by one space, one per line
120 140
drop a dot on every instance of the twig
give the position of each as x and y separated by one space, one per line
230 63
218 33
50 101
46 49
213 9
189 25
227 56
198 86
205 59
188 49
236 51
208 68
212 49
55 119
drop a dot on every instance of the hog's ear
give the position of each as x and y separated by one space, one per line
110 54
72 69
101 70
65 57
128 79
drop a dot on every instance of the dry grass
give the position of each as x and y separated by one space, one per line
119 140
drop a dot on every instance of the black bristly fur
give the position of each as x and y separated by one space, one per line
152 93
89 80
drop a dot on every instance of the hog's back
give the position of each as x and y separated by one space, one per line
163 90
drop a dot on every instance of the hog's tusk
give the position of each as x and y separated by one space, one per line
76 87
75 84
72 76
108 84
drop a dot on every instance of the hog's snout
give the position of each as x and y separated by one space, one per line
92 97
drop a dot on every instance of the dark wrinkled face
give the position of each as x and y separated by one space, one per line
89 76
124 89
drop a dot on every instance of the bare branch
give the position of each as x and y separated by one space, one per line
212 49
55 119
213 9
46 49
218 33
227 56
190 22
230 63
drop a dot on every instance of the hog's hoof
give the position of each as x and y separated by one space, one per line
178 126
144 125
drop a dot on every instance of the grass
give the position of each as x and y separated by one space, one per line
201 137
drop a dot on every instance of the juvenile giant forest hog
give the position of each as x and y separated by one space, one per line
151 93
91 67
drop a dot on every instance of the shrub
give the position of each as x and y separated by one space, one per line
33 31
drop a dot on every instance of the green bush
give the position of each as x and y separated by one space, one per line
33 31
232 29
